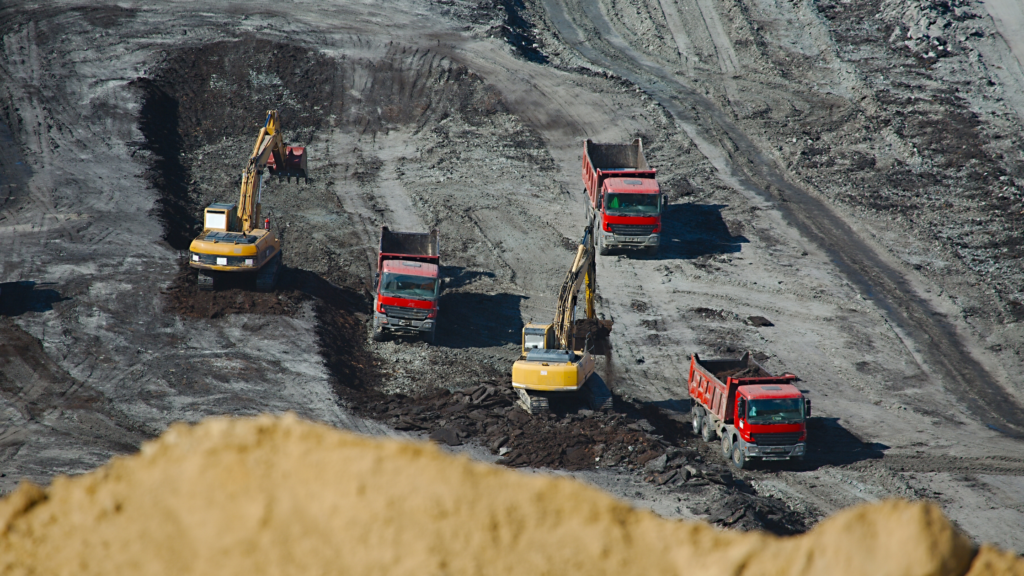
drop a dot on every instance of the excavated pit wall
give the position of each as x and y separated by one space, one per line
273 495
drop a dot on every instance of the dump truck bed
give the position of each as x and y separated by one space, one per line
713 383
415 246
601 161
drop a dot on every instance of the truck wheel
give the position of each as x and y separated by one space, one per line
428 337
651 250
706 432
601 248
727 446
378 335
739 459
698 419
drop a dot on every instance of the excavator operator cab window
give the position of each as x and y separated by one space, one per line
216 220
533 339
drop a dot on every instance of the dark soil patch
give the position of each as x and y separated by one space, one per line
741 511
750 372
202 95
638 438
340 313
184 297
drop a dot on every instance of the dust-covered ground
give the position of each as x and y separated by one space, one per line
851 171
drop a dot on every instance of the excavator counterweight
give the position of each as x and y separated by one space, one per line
234 239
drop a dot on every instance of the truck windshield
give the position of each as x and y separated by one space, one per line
775 410
632 204
408 286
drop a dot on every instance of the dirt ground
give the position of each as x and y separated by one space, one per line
847 201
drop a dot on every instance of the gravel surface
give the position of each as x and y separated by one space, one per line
846 200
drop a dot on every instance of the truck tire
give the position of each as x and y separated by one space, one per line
739 459
727 446
706 431
651 251
697 416
378 334
428 337
601 248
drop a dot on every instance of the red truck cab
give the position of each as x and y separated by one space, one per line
625 200
407 285
755 414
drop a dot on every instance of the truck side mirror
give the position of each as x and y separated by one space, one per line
807 408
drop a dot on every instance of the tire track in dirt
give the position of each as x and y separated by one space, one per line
752 173
994 465
678 30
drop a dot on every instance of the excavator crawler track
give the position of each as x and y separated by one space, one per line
205 280
598 396
266 278
533 403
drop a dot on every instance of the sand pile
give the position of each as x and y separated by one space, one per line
273 495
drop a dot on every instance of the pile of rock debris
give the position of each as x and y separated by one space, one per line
574 438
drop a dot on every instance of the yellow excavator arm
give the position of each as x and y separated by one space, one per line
268 142
583 272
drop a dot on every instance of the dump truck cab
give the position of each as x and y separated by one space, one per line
625 200
630 213
770 421
407 285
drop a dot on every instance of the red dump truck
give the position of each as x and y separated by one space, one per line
625 199
407 284
756 415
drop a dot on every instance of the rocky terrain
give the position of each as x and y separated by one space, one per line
846 187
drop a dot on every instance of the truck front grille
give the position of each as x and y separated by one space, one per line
777 439
631 229
406 313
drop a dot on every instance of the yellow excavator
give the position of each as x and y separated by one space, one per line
558 358
233 241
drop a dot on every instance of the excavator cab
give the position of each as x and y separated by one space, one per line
538 336
221 217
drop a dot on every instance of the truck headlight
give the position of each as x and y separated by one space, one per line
195 257
799 449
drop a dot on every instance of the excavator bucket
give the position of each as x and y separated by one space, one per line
592 334
294 164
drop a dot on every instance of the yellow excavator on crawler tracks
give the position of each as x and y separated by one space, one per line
558 359
232 240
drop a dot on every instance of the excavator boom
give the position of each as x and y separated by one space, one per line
583 271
